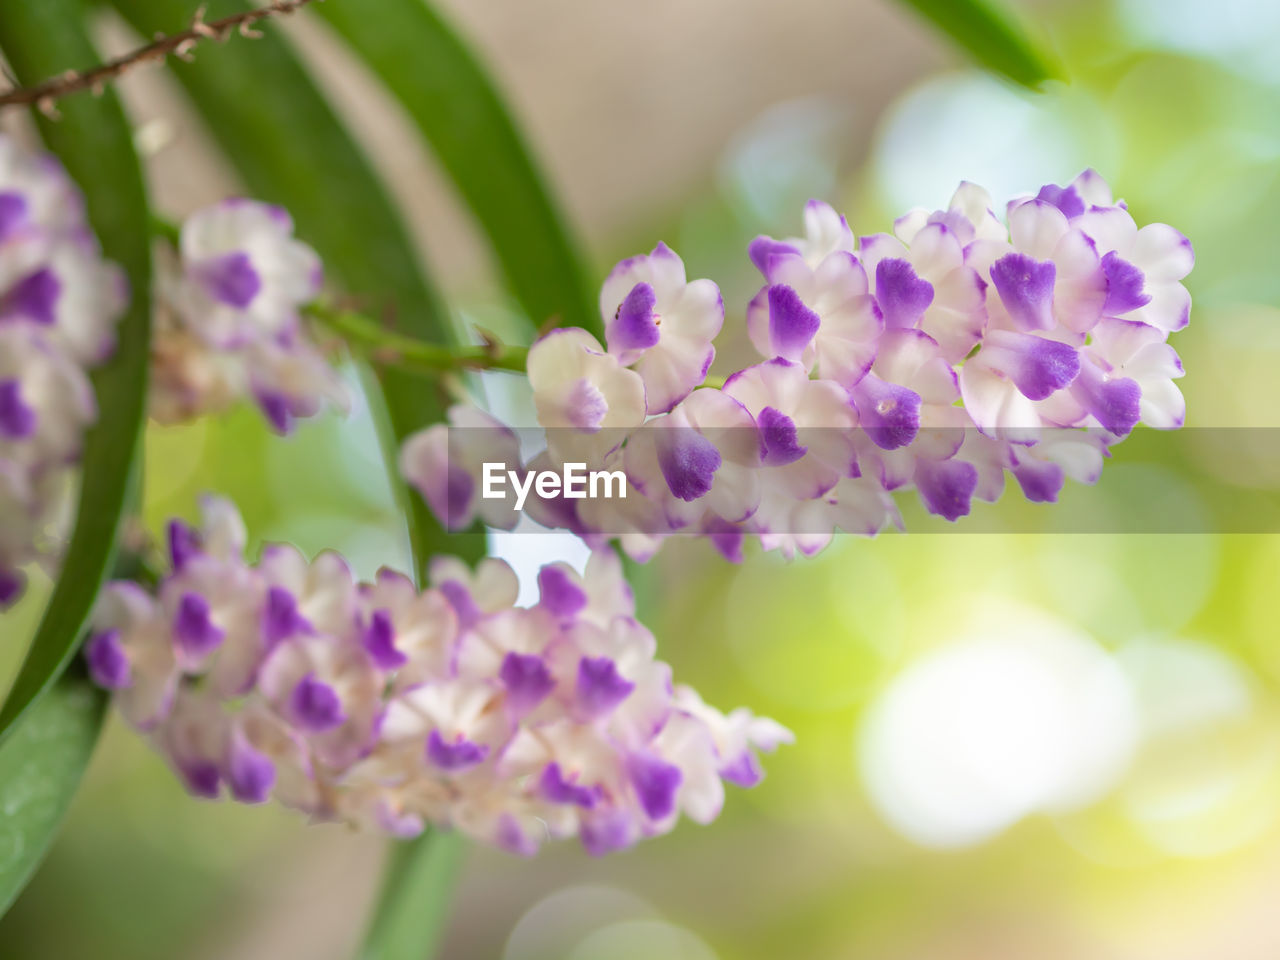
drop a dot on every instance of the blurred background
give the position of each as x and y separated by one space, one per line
1010 746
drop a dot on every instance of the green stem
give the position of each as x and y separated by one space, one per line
409 353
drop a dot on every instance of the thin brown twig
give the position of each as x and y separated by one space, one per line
179 45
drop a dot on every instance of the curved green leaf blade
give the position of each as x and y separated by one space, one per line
413 907
991 35
94 142
40 767
289 147
459 110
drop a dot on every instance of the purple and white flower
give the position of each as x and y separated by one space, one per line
392 708
59 304
941 358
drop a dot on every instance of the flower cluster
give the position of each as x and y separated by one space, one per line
392 708
961 348
229 323
59 304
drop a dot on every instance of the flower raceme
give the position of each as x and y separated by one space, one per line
394 708
959 349
59 305
229 323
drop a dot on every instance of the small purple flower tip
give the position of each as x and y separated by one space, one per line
464 606
13 583
250 773
201 777
17 418
1025 286
184 543
193 629
585 406
280 617
315 705
1066 199
34 298
778 443
526 679
456 756
108 663
558 593
744 771
791 324
13 213
231 279
379 642
1125 284
903 296
889 413
655 782
635 324
689 462
555 787
600 688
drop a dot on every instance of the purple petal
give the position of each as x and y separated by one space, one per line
1037 366
1125 284
600 688
556 788
280 617
558 593
231 279
1025 286
763 249
108 663
380 642
607 832
193 630
459 488
744 771
946 486
778 443
527 680
17 419
791 324
184 543
13 583
655 782
315 705
1039 479
634 326
464 606
275 406
902 295
689 462
889 413
1065 199
586 406
250 773
35 298
1114 403
729 539
456 756
13 213
201 777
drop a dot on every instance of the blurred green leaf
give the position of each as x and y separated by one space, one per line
413 908
94 142
991 35
268 116
456 105
40 768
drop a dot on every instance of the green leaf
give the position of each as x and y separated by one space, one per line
458 108
40 767
94 141
991 35
265 112
413 907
